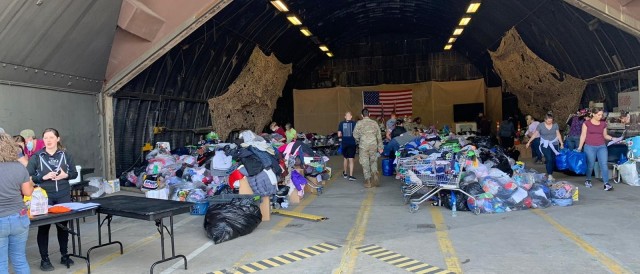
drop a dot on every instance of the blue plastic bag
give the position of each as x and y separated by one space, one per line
577 162
561 159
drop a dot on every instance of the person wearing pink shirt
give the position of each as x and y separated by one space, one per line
31 144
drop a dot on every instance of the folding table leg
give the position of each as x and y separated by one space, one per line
161 228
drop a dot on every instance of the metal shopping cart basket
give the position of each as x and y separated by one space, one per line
414 173
444 177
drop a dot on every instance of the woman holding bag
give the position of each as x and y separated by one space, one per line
52 167
593 138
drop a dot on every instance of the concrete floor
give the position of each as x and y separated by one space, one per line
599 234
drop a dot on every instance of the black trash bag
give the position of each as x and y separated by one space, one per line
225 222
483 141
461 200
513 153
474 189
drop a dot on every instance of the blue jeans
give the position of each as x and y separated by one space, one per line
14 231
535 150
550 158
572 142
599 152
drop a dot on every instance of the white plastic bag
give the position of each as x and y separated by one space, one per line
38 202
162 194
629 173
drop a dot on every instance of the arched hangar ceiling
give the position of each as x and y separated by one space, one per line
172 92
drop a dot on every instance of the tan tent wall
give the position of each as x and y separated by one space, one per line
493 108
320 110
446 94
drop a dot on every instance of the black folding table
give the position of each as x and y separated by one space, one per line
140 208
73 228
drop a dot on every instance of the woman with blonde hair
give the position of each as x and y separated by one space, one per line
14 220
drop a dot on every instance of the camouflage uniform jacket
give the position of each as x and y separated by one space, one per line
368 134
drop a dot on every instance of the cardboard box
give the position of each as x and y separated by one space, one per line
265 206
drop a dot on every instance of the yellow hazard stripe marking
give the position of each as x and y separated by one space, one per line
400 261
446 246
300 215
281 260
608 262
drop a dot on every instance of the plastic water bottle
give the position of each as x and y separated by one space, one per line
453 204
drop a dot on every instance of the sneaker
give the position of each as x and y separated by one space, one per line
344 175
45 265
351 178
66 260
550 178
588 184
607 187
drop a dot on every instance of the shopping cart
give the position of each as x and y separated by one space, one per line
315 166
444 176
414 173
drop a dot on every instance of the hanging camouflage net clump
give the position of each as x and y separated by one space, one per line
539 86
251 99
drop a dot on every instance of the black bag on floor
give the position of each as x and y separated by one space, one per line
461 200
225 222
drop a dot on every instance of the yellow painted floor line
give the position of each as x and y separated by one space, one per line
446 246
608 262
356 236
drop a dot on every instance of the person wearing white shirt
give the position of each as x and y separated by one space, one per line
535 151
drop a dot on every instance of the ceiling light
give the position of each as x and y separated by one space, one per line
447 46
305 31
329 54
452 40
457 31
323 48
294 20
280 5
473 7
465 21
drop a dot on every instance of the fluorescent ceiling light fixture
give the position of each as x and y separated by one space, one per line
464 21
457 31
447 46
473 7
305 31
329 54
294 20
323 48
452 40
280 5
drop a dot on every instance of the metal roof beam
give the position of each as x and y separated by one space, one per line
623 14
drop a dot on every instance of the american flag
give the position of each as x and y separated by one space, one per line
400 102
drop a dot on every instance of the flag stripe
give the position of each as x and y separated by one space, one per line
385 102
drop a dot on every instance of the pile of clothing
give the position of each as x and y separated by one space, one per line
497 181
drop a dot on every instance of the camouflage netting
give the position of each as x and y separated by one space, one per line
539 86
251 99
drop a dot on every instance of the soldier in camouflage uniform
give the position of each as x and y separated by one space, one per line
369 137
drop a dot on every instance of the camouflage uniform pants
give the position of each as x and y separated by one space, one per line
369 161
